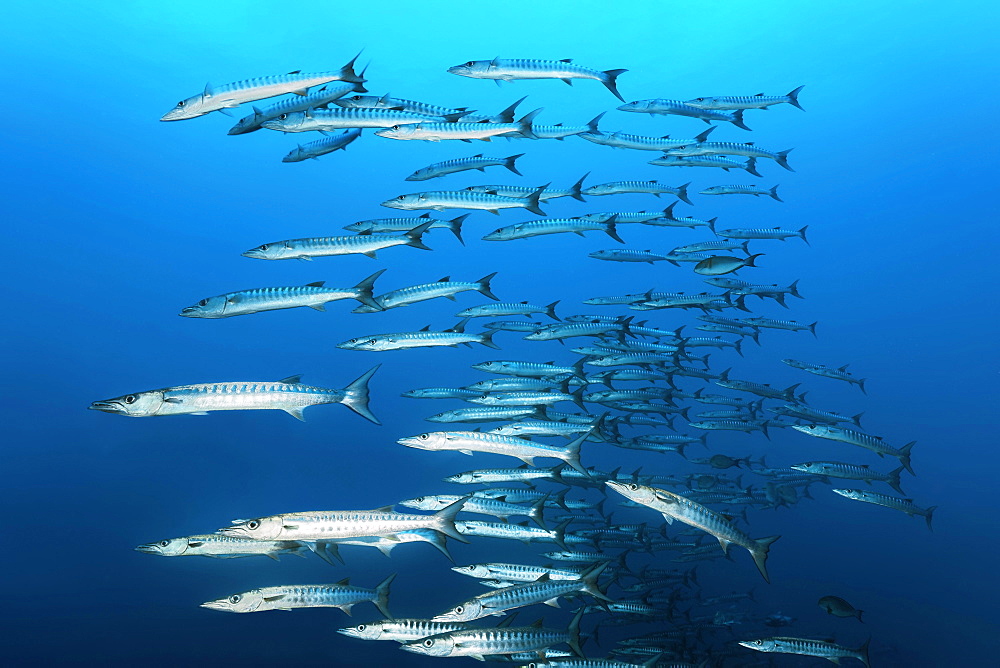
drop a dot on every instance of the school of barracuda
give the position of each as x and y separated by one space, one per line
640 385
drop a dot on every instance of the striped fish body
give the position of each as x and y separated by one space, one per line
515 383
418 293
484 414
290 597
805 412
421 339
324 120
518 495
244 302
480 643
468 442
516 596
627 255
769 323
702 246
516 572
523 191
852 437
716 161
558 132
221 547
630 358
744 149
316 100
677 108
636 142
895 503
434 130
490 476
400 630
851 472
478 505
537 228
361 244
527 534
314 149
250 90
527 369
760 389
652 187
505 309
807 647
727 425
514 69
522 398
568 330
762 233
477 162
621 217
395 103
733 102
756 191
459 199
440 393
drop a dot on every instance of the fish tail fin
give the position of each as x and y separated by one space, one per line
484 286
356 395
444 519
550 310
738 120
711 225
486 338
382 596
455 225
751 166
759 553
793 97
773 192
574 626
904 456
347 72
929 515
441 543
861 384
612 230
536 513
738 344
576 191
749 262
812 328
507 115
793 289
893 480
365 288
592 124
508 162
782 159
590 582
682 193
571 453
610 79
414 236
863 653
802 235
524 125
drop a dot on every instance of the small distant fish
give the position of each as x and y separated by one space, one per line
574 191
640 142
678 108
758 101
485 414
806 647
903 505
507 69
838 607
867 441
288 395
840 373
508 308
425 338
761 233
742 190
341 595
478 161
537 228
362 244
852 472
724 264
627 255
468 442
249 90
652 186
314 149
718 161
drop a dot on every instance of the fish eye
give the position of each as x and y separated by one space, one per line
361 627
428 643
424 437
235 598
395 127
283 117
130 399
470 63
164 543
181 103
758 642
460 609
203 302
634 487
253 524
372 342
263 248
401 197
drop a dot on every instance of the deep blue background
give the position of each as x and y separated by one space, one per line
115 221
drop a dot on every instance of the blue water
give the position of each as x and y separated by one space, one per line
114 221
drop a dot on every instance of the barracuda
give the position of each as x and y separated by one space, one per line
873 443
485 414
573 191
381 225
517 69
313 295
804 412
543 590
903 505
321 98
288 395
713 246
314 149
747 150
519 383
516 572
324 120
677 108
444 287
530 369
568 330
250 90
511 531
756 191
480 643
627 255
480 505
400 630
337 525
758 101
559 132
652 187
508 308
638 142
398 104
828 372
760 389
852 472
490 476
222 547
621 217
806 647
363 244
440 393
537 228
717 161
478 162
530 397
289 597
461 130
790 325
676 507
423 339
440 200
763 233
468 442
520 495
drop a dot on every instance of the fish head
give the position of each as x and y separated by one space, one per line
460 478
370 631
297 154
294 121
761 644
259 528
174 547
638 105
474 69
210 307
428 441
442 644
245 602
358 102
405 202
601 254
364 343
426 502
473 570
633 491
360 226
700 102
192 107
489 367
273 251
247 124
808 467
139 404
399 132
463 612
849 493
501 234
485 400
421 174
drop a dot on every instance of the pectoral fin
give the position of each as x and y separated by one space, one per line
296 413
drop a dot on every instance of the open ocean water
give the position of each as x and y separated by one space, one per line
114 221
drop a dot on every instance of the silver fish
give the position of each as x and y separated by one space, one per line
423 339
465 199
678 108
288 597
478 161
444 287
742 190
321 98
324 120
400 630
381 225
314 149
904 505
362 244
462 131
758 101
537 228
807 647
468 442
517 69
222 547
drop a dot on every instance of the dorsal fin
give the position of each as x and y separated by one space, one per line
537 624
292 380
344 582
425 329
296 72
444 279
566 60
317 284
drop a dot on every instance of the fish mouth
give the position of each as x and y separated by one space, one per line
147 548
411 442
350 633
107 407
414 647
272 125
189 311
215 605
391 203
253 253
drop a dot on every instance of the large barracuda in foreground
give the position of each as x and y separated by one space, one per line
287 395
807 647
250 90
361 244
400 630
515 69
313 295
468 442
288 597
674 506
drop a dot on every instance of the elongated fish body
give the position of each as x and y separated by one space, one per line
529 369
566 330
383 225
852 437
324 120
677 108
537 228
718 265
758 101
485 414
361 244
852 472
557 131
621 217
676 507
811 414
508 308
468 442
763 233
479 162
490 476
807 647
636 142
413 294
464 199
524 191
480 643
523 398
746 426
525 533
652 187
316 100
517 69
524 326
288 395
433 130
422 339
747 150
289 597
313 295
222 547
760 389
756 191
515 383
717 161
400 630
314 149
540 428
479 505
440 393
334 525
701 246
397 104
516 572
828 372
250 90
